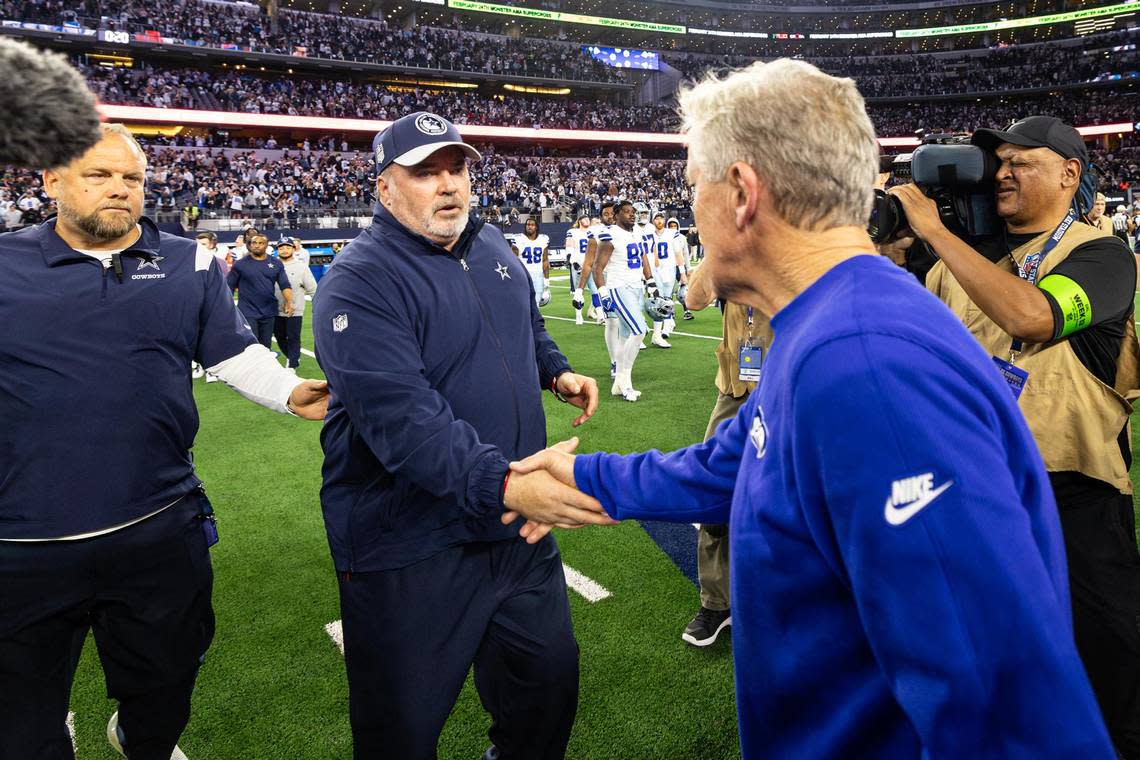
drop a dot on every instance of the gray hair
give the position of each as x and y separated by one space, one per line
118 129
806 133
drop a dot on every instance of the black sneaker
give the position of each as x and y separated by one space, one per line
688 314
706 626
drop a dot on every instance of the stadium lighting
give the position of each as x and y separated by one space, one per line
993 26
187 117
537 90
567 18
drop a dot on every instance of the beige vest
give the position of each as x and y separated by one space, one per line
1074 417
735 331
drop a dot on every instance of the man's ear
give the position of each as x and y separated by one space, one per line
1071 173
746 187
51 179
382 193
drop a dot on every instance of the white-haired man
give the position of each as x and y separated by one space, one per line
898 572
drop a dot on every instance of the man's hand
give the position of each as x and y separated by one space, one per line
606 299
578 300
896 249
558 460
288 308
581 391
921 212
310 399
651 289
546 502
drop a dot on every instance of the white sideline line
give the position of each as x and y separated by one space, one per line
336 633
591 591
675 332
307 352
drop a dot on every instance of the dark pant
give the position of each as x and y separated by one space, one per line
411 635
712 540
144 591
1104 576
262 330
287 331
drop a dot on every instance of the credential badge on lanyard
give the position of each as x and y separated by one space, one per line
1015 377
751 357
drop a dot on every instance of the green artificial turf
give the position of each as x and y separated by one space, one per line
273 685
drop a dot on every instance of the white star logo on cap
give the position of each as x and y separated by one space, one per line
430 125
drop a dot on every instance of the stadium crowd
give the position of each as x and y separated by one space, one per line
236 183
580 184
250 93
1081 108
324 36
998 70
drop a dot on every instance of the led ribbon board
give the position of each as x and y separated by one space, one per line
568 18
993 26
188 117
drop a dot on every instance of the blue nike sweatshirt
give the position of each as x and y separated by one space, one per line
898 575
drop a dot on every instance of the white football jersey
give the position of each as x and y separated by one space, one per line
577 239
624 267
648 234
530 251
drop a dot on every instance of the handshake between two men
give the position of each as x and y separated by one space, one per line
541 489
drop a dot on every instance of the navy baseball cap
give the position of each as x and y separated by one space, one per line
1037 132
412 138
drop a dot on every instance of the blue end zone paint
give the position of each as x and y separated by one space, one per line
679 542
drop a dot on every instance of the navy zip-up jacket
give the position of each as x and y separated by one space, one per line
436 362
97 414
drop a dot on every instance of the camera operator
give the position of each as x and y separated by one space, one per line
1051 299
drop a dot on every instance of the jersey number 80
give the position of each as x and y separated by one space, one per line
633 255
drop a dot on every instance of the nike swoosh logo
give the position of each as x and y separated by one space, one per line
899 515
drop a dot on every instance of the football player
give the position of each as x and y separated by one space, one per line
622 275
532 247
681 241
665 264
577 244
644 230
597 224
599 232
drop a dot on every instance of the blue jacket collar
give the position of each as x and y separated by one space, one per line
56 251
459 250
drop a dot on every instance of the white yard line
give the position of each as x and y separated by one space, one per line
675 332
590 590
307 352
336 633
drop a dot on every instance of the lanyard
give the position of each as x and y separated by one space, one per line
749 341
1028 271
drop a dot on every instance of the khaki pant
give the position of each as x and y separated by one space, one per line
712 540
